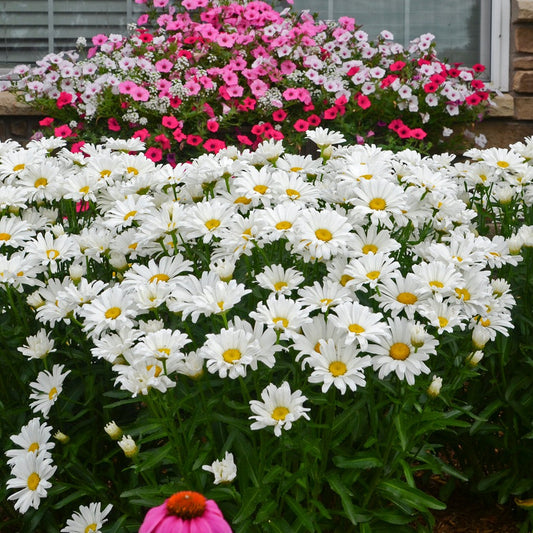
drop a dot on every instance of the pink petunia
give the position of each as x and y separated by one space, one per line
46 121
99 39
214 145
418 133
112 124
194 140
179 135
163 141
126 87
301 125
142 134
212 125
155 154
140 94
63 100
279 115
258 88
169 121
63 131
243 139
163 65
363 101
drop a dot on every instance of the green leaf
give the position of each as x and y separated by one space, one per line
401 493
252 500
354 514
359 461
303 515
401 430
393 517
155 457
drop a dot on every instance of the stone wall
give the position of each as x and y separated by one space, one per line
17 120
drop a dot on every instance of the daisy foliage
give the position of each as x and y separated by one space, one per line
288 312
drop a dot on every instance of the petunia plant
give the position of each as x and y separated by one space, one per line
289 336
202 75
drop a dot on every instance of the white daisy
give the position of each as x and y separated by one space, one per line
46 389
38 346
225 470
279 408
31 473
34 437
87 519
341 366
278 279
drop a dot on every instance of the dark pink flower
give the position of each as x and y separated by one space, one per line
63 99
314 120
397 65
363 101
155 154
301 125
112 124
169 121
404 132
163 140
194 140
141 134
330 113
279 115
185 512
418 133
46 121
212 125
63 131
244 139
214 145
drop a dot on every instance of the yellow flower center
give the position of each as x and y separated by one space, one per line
52 394
284 224
399 351
337 368
33 481
221 305
85 189
296 169
407 298
105 173
113 312
166 351
436 284
52 254
443 321
326 301
157 371
502 164
279 285
158 277
370 248
90 527
323 235
34 446
41 182
242 200
132 170
130 214
378 204
356 328
212 224
345 278
133 245
261 189
231 355
462 294
317 347
5 236
20 166
280 413
485 323
483 177
373 274
292 193
281 321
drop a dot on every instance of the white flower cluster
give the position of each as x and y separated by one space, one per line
361 259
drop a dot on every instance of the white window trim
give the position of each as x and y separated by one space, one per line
500 44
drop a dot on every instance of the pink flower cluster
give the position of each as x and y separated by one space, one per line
213 74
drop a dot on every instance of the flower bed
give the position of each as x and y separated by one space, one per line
211 74
282 333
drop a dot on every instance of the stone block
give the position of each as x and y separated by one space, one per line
9 106
503 106
524 107
523 81
524 39
523 63
502 132
525 11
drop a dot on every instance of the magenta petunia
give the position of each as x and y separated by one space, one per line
185 512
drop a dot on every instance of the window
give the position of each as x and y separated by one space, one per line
30 29
466 31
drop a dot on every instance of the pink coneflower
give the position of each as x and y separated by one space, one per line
185 511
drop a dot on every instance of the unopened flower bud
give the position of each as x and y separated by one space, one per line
61 437
129 446
435 386
515 244
474 358
118 261
480 337
113 430
76 272
418 335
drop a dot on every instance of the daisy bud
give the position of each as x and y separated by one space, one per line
435 386
225 471
118 261
499 287
326 152
113 430
474 358
223 268
480 337
61 437
34 300
526 233
58 230
418 335
128 445
515 244
504 195
76 272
